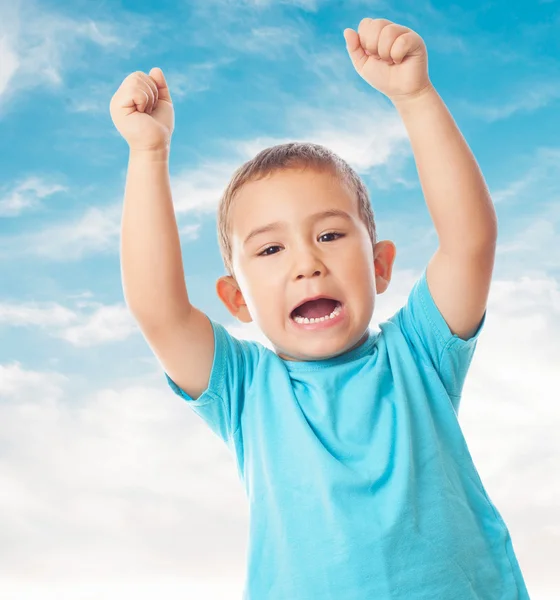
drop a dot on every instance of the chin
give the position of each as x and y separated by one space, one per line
310 355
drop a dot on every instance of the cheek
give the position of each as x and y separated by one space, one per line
357 261
267 273
262 285
267 288
360 274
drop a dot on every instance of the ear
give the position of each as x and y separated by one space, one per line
385 253
230 294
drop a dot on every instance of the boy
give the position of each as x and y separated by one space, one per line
360 482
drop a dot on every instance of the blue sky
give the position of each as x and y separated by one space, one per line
100 463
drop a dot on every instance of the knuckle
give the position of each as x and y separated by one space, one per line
133 79
145 89
134 76
364 23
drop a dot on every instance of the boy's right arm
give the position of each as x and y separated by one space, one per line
154 286
180 335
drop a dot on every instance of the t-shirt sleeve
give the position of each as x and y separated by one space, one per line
427 331
233 367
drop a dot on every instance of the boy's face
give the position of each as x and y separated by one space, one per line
303 257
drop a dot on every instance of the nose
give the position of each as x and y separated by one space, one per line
308 264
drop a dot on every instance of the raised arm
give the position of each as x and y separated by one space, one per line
151 263
393 59
154 285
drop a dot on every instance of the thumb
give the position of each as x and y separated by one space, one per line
355 50
163 89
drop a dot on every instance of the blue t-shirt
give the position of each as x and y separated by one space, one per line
360 482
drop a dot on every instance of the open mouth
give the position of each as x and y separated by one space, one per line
317 311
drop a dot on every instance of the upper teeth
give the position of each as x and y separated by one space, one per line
334 313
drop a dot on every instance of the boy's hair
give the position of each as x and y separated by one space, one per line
293 155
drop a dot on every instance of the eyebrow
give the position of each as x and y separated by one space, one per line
333 212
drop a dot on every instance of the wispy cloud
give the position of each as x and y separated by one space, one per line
527 98
192 79
26 195
40 45
382 154
237 6
90 324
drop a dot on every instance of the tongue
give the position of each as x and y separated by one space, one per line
314 309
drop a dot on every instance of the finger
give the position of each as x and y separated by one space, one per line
141 99
357 55
151 89
133 98
369 31
387 38
146 103
406 44
400 48
163 89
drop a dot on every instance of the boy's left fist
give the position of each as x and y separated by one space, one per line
391 58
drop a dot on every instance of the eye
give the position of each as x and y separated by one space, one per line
339 235
266 252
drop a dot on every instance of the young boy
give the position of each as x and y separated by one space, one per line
360 482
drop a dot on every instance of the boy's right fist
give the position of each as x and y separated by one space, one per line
142 111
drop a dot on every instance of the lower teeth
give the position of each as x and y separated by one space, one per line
334 313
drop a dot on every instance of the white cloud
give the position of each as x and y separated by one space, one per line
109 483
25 195
47 314
170 588
40 45
96 231
82 328
528 97
9 65
184 83
247 6
382 154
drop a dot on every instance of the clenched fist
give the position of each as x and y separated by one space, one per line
142 111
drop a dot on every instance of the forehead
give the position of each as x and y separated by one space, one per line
288 196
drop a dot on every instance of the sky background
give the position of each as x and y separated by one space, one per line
111 486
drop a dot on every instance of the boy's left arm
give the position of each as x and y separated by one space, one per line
460 272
